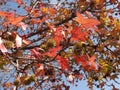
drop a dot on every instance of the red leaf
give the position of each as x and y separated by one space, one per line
64 63
85 22
82 60
92 61
58 35
52 51
77 34
2 47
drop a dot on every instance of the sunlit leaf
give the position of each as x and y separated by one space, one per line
2 47
18 40
86 22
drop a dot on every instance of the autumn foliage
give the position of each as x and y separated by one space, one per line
77 39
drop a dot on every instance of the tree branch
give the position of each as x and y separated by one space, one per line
73 15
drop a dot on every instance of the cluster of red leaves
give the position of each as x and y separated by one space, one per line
77 34
87 64
64 62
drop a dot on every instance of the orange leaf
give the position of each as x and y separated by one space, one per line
92 61
11 17
85 22
16 20
52 11
6 14
20 2
3 14
77 34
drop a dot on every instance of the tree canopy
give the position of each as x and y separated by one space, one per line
45 43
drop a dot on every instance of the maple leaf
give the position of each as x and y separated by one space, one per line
45 9
64 63
2 47
58 35
85 22
11 17
92 61
15 20
81 60
77 34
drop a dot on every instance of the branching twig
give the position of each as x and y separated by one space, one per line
73 15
